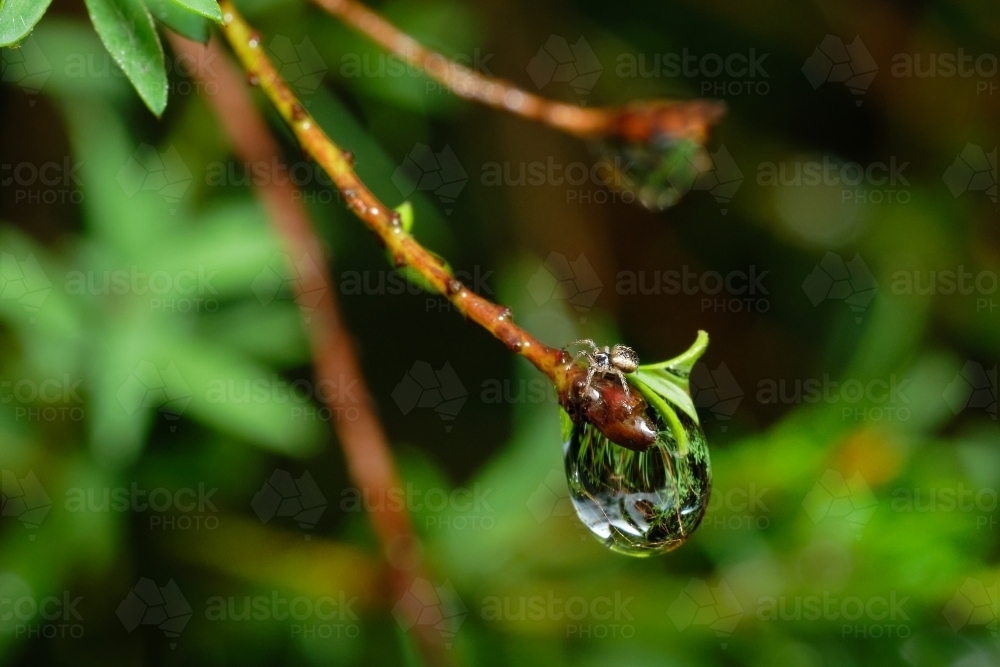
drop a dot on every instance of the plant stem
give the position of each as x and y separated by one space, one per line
364 442
638 121
381 219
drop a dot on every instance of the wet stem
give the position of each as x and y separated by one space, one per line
385 222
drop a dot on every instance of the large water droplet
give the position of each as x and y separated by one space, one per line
639 503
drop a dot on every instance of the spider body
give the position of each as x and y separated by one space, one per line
607 360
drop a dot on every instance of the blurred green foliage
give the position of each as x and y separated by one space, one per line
843 531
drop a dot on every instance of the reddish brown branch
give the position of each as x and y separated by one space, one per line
637 122
382 220
365 445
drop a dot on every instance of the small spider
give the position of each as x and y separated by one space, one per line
606 360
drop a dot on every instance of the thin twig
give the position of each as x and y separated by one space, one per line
385 222
637 122
365 445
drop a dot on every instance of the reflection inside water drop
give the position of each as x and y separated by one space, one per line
639 503
658 172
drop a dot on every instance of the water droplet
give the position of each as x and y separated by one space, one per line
639 503
657 173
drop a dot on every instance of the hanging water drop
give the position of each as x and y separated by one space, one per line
639 503
656 150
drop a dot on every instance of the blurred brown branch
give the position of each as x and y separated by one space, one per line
638 121
364 442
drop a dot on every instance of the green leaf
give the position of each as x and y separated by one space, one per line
207 8
128 33
405 211
180 20
18 17
565 424
669 378
666 386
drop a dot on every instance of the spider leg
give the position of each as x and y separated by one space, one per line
621 377
581 354
586 341
590 376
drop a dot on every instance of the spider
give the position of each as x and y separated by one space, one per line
606 360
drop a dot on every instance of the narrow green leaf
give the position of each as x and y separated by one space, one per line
207 8
565 424
18 17
670 379
128 33
665 409
405 211
180 20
